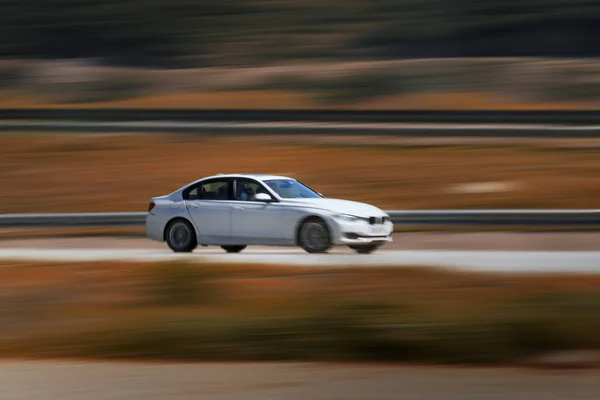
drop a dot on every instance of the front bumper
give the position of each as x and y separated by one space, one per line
361 232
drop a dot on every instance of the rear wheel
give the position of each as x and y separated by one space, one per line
233 249
365 249
180 236
314 237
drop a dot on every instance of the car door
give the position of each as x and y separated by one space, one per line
254 221
209 206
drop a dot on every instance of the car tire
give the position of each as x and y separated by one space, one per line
365 249
314 236
233 249
180 236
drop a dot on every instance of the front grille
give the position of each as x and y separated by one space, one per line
377 220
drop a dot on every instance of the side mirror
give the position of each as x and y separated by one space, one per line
264 197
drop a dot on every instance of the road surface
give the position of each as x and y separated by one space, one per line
32 380
489 252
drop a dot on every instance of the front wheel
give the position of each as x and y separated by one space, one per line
365 249
314 237
233 249
180 236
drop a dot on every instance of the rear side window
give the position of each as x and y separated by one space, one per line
212 190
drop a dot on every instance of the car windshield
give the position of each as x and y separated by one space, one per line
292 189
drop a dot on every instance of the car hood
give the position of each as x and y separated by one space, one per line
340 206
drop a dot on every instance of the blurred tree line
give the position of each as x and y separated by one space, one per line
155 32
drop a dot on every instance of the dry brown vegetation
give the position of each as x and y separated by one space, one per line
437 84
72 173
203 311
293 100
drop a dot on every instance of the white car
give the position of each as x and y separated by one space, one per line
237 210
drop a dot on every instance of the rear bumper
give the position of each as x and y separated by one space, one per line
155 228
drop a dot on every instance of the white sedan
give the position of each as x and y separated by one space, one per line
237 210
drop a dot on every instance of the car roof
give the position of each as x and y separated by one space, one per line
260 177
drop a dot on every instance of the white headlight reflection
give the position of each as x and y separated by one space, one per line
346 217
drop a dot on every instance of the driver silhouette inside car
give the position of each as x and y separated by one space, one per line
245 193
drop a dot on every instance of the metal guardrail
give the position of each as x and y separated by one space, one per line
72 220
336 116
309 128
507 218
522 124
437 218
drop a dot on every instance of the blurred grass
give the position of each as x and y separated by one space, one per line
349 89
107 88
106 173
179 284
253 312
340 89
435 83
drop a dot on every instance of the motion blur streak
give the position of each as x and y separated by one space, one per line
573 262
436 107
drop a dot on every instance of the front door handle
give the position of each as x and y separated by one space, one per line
238 208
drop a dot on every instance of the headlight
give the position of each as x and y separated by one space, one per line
346 217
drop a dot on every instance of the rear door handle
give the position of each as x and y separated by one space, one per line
238 208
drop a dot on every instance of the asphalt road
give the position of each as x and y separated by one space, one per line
485 252
264 381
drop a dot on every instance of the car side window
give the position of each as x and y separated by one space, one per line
193 194
246 189
212 190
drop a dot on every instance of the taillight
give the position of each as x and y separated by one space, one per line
151 206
